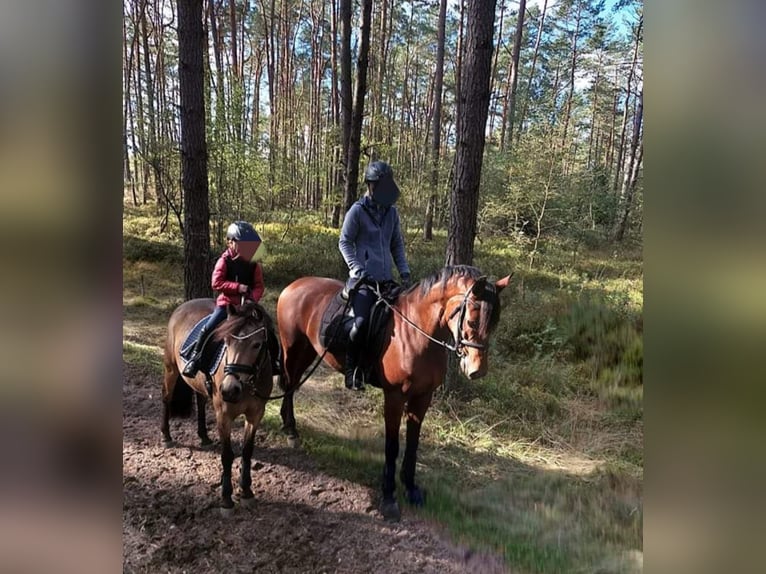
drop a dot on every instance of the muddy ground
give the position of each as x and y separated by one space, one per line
301 520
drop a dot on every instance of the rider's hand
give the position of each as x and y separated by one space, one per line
242 288
406 280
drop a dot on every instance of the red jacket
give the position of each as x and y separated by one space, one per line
226 285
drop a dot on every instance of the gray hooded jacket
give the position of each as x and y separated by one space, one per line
370 237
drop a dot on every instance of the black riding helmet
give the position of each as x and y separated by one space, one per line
242 231
384 189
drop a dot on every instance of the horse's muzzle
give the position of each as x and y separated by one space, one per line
231 390
473 369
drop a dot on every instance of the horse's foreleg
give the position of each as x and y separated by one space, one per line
248 443
227 458
416 410
393 408
201 423
245 480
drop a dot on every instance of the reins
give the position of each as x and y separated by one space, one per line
460 343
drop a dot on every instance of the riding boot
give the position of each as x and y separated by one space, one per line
353 372
191 368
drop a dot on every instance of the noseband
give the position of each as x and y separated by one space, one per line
462 342
237 369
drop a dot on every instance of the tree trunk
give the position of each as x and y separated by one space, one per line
191 43
531 72
355 139
626 111
338 159
436 122
151 148
572 69
493 73
514 77
631 171
346 103
474 95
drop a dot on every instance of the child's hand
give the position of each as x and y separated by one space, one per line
242 288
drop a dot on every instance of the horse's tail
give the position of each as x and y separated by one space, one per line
181 401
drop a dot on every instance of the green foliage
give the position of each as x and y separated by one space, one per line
156 251
602 331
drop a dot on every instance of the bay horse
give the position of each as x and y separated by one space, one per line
457 302
241 383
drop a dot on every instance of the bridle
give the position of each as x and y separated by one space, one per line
459 348
251 370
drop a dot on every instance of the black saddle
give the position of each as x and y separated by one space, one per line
211 354
338 319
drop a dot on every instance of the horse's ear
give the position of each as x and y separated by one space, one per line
501 284
257 315
478 288
230 310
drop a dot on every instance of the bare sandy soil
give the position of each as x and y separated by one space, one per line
301 520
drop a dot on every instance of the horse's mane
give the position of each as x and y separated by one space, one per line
490 314
444 275
250 313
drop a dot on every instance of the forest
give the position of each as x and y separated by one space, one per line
515 132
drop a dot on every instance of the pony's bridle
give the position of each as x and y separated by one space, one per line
460 341
237 369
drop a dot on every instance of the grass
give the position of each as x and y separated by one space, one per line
541 461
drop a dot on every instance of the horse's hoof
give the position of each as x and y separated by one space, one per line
247 501
226 512
416 496
390 510
168 443
205 443
293 441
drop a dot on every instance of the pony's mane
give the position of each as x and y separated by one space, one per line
250 313
490 315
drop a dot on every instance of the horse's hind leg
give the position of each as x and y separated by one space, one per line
245 480
297 358
168 385
201 422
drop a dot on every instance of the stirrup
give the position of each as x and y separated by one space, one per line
355 381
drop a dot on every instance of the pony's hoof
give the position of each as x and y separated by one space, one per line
293 441
248 501
168 443
227 511
416 496
205 443
390 510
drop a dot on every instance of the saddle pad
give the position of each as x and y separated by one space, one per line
211 355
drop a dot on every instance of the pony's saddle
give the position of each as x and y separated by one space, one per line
212 352
338 319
